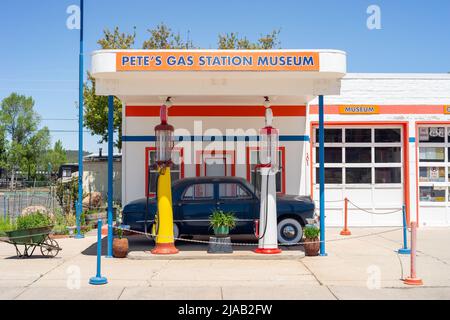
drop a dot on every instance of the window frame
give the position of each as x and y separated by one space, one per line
179 150
436 164
372 165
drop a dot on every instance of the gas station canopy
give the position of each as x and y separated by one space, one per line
200 76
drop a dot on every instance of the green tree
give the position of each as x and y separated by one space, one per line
34 153
3 146
229 41
162 37
20 121
56 157
96 107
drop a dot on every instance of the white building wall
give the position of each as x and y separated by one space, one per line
134 152
373 89
430 91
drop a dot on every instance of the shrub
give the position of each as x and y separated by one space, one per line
33 220
6 225
222 219
311 232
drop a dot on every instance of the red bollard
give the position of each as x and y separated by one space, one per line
412 279
345 231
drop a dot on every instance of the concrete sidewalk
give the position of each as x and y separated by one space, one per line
358 267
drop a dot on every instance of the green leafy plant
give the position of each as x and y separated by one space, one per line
311 232
71 220
6 225
33 220
220 218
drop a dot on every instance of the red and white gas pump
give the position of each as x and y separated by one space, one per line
268 158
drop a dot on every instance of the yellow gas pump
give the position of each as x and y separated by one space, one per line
165 242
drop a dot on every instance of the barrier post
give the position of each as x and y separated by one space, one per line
98 279
405 249
413 279
345 231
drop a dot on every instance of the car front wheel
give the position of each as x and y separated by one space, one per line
290 231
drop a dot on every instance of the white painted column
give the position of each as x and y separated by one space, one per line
305 170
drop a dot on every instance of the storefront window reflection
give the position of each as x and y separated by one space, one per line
432 194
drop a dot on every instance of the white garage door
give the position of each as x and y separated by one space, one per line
366 166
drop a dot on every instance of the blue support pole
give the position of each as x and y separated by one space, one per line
79 206
110 173
98 279
322 174
405 249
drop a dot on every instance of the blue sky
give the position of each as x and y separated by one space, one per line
39 55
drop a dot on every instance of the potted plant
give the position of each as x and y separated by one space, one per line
311 241
222 222
71 223
120 245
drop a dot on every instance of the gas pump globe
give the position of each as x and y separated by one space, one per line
164 140
268 147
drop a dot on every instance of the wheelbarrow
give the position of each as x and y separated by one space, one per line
30 239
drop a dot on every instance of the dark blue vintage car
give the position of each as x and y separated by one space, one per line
194 199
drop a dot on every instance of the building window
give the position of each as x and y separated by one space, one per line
434 163
176 170
255 178
361 156
432 194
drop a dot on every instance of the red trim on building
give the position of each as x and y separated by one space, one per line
387 109
216 111
199 160
283 166
147 149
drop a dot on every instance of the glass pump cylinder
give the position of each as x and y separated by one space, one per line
268 146
164 143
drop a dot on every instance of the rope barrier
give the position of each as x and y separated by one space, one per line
358 207
255 244
376 213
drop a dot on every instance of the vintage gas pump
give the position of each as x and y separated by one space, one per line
268 158
164 218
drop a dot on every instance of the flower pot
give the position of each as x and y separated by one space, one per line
71 230
120 247
221 231
312 246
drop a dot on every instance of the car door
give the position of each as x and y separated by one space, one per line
236 198
196 204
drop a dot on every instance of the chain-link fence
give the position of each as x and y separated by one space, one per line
12 203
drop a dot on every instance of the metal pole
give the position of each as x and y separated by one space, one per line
345 231
98 279
322 175
110 173
80 127
412 279
405 249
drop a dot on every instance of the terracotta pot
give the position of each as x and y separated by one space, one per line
312 247
120 247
